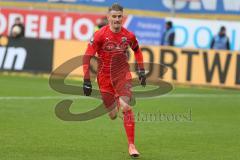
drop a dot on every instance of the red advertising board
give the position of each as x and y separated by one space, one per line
49 24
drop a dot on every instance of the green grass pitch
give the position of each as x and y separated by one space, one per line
29 129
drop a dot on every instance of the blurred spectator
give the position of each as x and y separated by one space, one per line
101 22
18 29
168 35
221 41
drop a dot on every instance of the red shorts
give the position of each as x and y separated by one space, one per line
112 89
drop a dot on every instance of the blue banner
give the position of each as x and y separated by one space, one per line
194 7
148 31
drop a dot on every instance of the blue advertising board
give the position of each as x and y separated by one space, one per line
194 7
147 30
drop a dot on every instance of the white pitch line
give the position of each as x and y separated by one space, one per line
40 97
194 96
83 97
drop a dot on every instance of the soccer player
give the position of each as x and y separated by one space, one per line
114 79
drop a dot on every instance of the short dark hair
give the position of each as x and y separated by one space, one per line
115 7
223 28
169 23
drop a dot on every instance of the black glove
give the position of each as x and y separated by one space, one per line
87 87
142 77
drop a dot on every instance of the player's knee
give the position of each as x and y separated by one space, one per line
113 117
126 108
113 114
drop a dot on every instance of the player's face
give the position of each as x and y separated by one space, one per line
115 19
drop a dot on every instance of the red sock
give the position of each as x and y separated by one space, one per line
129 125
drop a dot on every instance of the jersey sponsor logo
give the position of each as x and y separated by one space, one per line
12 58
111 46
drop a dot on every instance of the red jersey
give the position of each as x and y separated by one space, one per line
111 49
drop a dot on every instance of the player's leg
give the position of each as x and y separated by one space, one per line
123 89
114 112
129 124
122 86
110 103
108 95
128 118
